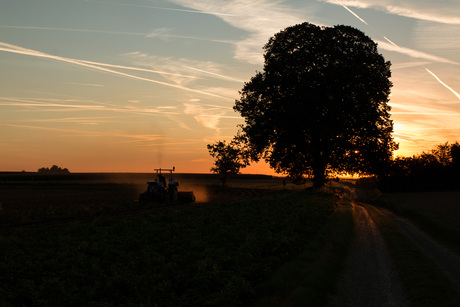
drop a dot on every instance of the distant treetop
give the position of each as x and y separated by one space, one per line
53 170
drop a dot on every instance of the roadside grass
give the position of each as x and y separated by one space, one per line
423 282
437 213
215 254
310 279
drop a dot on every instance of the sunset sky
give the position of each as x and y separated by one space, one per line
133 85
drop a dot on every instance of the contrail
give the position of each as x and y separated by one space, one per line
25 102
414 53
419 54
72 30
177 10
150 70
390 41
214 74
146 137
20 50
442 83
139 69
354 14
117 33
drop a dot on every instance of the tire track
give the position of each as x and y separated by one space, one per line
369 278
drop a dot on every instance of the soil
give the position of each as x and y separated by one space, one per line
369 278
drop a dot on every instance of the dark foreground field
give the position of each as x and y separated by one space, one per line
87 241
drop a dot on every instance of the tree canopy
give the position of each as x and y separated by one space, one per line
229 158
320 103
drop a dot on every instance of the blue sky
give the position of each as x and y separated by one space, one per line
134 85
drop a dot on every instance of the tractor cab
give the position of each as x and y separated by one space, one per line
159 191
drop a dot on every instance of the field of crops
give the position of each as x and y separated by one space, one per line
30 198
80 242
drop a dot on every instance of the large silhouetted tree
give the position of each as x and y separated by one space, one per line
320 103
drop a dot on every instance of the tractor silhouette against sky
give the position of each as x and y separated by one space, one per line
161 191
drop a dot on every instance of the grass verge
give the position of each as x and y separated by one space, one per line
438 216
423 283
310 278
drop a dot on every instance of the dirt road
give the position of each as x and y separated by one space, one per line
369 278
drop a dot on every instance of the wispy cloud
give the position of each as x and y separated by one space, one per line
261 19
208 116
192 69
20 50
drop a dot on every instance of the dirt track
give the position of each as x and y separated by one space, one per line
369 278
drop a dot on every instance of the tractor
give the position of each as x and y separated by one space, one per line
159 191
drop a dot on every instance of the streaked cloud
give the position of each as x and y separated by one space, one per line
181 71
391 46
414 53
72 30
398 108
426 10
20 50
57 106
87 84
177 10
138 137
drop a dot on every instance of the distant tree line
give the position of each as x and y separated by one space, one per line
53 170
437 169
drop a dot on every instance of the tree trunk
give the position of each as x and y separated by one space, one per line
319 176
224 180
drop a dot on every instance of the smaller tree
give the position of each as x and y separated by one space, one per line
455 155
229 158
53 170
